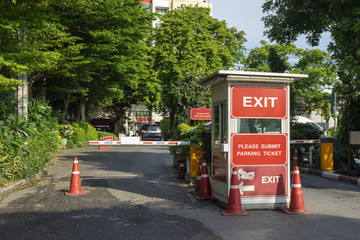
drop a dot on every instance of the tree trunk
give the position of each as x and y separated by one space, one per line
172 117
66 106
80 116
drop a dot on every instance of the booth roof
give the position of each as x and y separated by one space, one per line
245 76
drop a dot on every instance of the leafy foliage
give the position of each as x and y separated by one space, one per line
16 127
90 132
111 59
190 44
78 137
314 62
25 148
286 20
103 134
7 103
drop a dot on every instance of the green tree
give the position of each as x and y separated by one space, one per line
286 20
314 62
190 44
108 61
29 39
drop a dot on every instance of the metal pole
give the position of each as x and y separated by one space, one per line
349 154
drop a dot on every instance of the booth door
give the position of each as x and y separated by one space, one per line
219 132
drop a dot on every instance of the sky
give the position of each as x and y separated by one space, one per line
246 15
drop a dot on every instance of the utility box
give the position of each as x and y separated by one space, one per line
250 130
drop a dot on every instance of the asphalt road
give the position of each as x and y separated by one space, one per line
132 193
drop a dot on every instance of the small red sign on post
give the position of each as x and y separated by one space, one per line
201 113
251 102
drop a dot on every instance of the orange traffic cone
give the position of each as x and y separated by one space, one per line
296 197
295 158
101 147
234 201
75 185
205 190
198 177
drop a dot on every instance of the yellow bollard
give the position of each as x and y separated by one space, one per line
196 152
327 153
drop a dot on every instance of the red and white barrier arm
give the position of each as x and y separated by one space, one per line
305 141
115 143
175 143
104 143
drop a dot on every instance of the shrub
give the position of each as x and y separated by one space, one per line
24 149
187 133
182 128
103 134
90 131
78 137
7 103
65 130
39 151
41 114
78 134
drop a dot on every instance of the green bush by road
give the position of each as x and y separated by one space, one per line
27 146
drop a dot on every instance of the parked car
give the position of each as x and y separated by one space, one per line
151 132
304 120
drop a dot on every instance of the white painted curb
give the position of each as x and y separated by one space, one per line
334 176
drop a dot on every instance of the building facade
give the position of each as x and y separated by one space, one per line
163 6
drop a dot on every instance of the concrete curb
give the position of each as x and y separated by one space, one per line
334 176
6 190
60 172
16 185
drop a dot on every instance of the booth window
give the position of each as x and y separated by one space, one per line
220 117
258 125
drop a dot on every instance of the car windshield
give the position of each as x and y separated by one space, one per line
153 128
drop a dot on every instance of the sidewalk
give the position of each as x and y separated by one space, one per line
60 167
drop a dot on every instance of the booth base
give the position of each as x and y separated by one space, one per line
255 203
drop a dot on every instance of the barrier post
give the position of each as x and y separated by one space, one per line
327 153
196 152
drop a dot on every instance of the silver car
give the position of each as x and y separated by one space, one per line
151 132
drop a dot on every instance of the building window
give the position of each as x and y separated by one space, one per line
148 6
161 11
258 125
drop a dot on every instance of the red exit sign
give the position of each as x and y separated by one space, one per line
252 102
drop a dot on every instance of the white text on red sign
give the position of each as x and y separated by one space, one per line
259 102
266 150
270 179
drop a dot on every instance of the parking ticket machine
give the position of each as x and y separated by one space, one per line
250 130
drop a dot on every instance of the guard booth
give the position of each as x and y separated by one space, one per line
250 130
